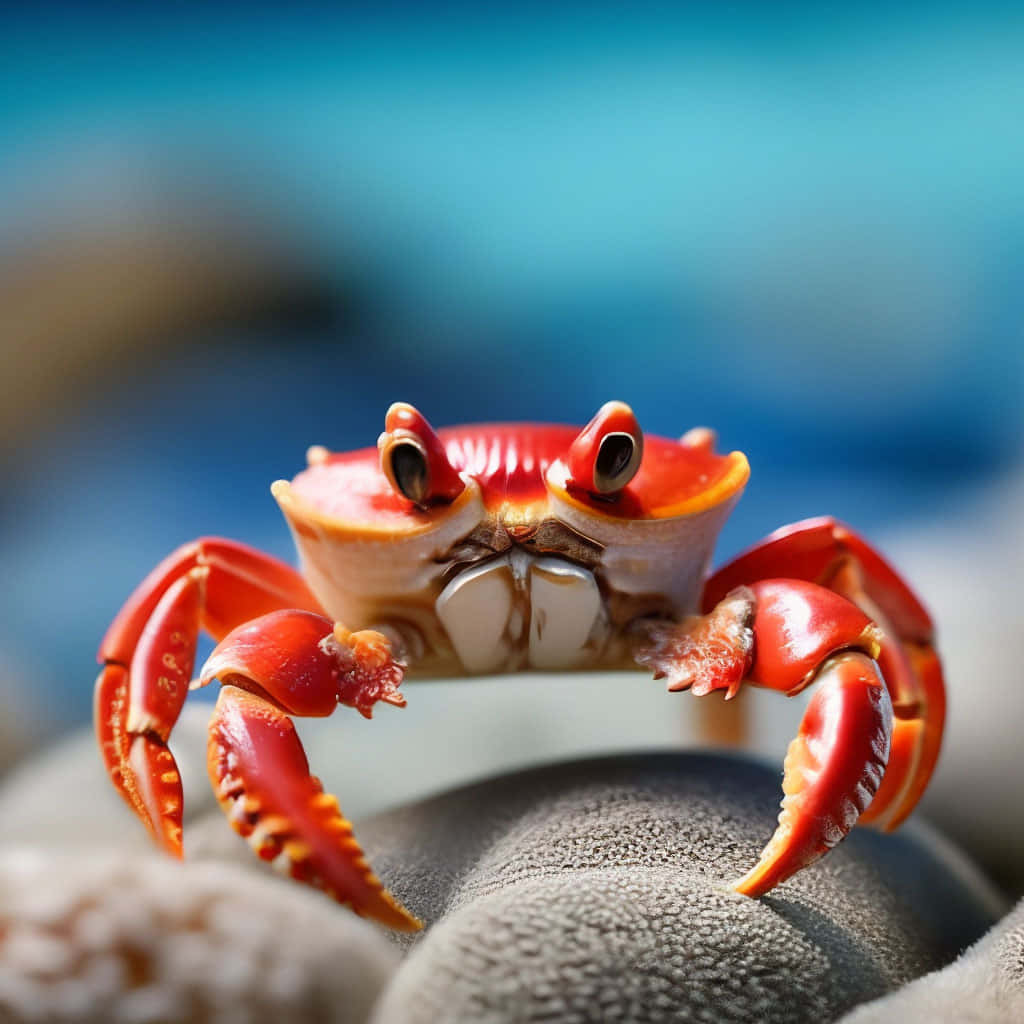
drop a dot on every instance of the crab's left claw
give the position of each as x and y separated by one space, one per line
832 771
787 635
829 553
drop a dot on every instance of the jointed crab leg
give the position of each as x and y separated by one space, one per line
290 659
148 655
294 661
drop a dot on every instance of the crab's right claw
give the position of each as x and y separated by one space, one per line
833 769
828 552
295 662
787 635
261 777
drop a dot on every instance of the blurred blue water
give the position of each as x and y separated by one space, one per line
802 227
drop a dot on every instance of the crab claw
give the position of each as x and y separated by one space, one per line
833 769
261 777
786 635
296 662
307 665
830 553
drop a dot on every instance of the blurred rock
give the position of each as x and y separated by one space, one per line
598 890
572 892
81 295
120 937
986 985
21 724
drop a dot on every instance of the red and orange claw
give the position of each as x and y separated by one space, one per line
833 769
797 625
261 777
705 652
307 665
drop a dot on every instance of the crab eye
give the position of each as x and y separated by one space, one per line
405 465
413 459
607 452
618 459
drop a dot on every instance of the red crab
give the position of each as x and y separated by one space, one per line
497 548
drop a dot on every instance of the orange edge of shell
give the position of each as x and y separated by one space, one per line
299 512
724 488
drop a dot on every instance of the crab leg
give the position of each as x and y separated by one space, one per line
148 655
292 661
786 635
827 552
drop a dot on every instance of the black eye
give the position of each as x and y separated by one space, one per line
618 459
409 474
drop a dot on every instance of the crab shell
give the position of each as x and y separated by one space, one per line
522 569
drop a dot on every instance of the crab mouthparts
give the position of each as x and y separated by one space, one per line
519 610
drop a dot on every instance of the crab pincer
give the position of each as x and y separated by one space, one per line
295 662
787 635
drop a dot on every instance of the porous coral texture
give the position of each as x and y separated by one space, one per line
137 939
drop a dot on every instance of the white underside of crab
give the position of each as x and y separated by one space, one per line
522 611
516 609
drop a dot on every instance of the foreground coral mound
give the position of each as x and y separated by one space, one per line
589 891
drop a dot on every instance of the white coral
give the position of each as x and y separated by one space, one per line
131 938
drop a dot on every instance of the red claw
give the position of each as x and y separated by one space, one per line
306 665
785 634
296 662
829 553
797 625
832 772
261 777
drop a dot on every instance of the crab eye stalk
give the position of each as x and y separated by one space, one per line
413 459
607 452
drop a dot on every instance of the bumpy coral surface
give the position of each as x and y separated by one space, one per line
106 937
590 891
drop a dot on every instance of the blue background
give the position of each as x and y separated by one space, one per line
803 227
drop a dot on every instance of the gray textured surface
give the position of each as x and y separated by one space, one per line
985 986
598 891
587 891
